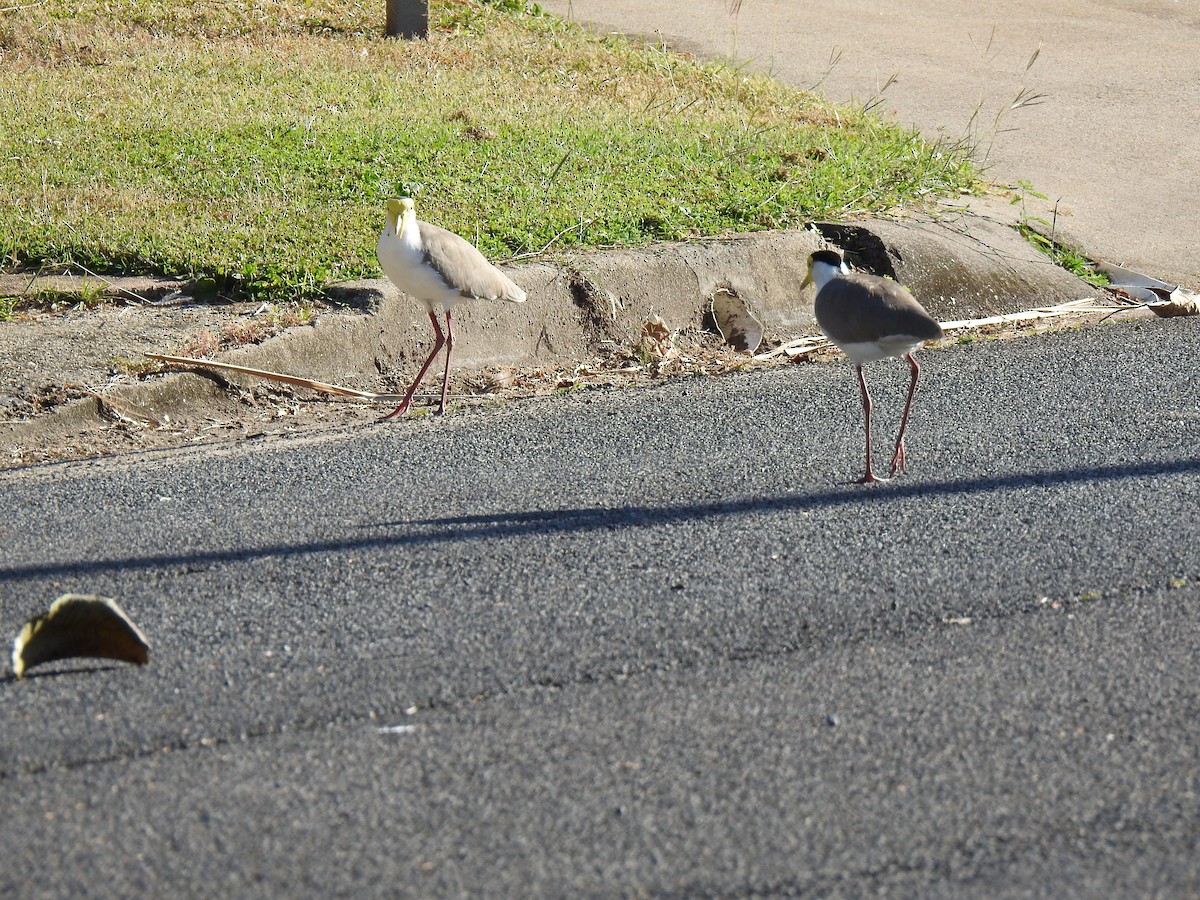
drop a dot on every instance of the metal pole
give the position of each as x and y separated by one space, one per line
408 18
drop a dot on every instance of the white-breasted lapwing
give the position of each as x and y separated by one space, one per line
439 269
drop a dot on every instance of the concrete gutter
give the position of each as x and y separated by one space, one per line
959 265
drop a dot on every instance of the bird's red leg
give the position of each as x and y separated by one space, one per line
870 476
437 345
899 462
449 353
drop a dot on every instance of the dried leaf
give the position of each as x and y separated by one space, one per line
79 625
1182 303
738 325
656 331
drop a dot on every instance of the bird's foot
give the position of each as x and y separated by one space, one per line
400 410
899 463
870 478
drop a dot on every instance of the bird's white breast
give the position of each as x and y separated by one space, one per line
870 351
402 258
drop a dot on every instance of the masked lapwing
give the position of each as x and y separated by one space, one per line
439 269
870 318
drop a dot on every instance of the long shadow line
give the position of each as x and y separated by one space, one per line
540 522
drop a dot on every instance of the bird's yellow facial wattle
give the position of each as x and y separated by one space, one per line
393 216
396 208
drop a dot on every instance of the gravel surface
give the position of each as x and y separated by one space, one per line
638 642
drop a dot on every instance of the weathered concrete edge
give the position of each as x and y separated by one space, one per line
959 265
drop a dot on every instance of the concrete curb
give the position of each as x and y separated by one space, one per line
960 265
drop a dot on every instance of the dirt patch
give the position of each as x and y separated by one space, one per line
212 409
64 375
81 358
75 383
49 357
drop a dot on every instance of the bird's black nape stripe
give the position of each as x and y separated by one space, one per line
831 257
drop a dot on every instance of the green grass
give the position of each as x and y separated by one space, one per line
1034 229
1063 255
254 143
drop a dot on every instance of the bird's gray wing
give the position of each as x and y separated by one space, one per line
859 308
464 269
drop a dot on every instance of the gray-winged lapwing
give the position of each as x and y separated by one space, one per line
870 318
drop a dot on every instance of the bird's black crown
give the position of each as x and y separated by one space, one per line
830 257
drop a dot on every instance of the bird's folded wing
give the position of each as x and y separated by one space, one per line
463 268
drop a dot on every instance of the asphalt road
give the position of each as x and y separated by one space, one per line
645 643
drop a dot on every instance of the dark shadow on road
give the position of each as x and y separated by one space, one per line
530 522
61 673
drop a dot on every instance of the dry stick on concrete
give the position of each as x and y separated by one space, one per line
1072 307
105 282
798 347
110 284
320 386
110 407
791 349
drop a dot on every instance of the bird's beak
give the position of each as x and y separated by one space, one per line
807 279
